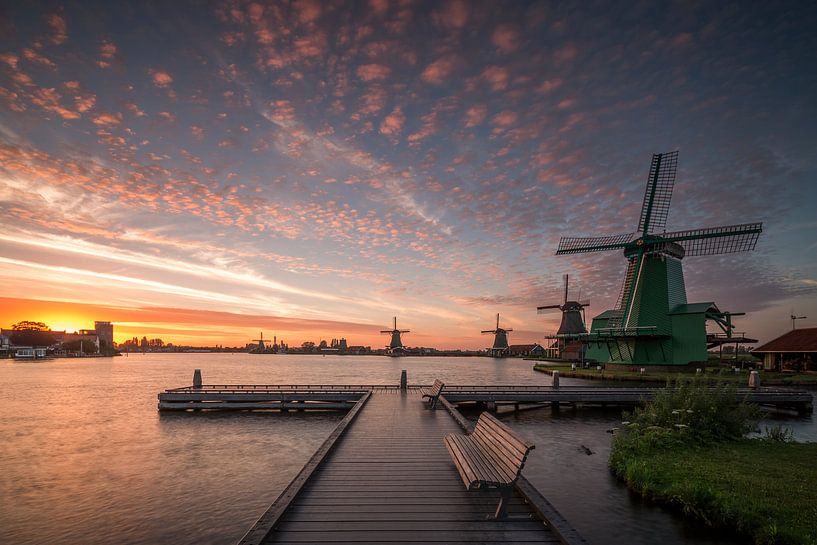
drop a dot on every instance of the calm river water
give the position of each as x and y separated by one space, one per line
85 457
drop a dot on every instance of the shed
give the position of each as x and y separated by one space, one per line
792 351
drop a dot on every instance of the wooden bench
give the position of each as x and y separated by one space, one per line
434 393
492 456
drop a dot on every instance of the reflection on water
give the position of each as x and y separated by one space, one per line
86 458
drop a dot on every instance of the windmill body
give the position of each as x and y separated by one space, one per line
572 327
395 347
653 323
500 346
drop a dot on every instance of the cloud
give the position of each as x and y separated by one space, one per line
161 78
59 28
107 119
393 123
107 54
372 72
439 70
475 115
32 56
505 38
451 14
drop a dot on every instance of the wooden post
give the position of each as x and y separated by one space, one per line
555 380
403 380
754 380
197 378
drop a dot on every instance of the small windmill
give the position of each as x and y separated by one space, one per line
261 346
652 321
572 326
395 347
500 347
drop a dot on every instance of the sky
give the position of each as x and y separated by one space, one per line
205 171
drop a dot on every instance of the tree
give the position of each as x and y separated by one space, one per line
27 325
88 347
31 337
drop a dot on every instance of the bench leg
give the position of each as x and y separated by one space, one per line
502 508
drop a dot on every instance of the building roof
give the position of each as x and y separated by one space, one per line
796 340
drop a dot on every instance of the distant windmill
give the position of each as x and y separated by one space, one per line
652 322
572 321
261 346
500 347
395 347
795 318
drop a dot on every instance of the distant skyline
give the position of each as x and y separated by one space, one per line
204 171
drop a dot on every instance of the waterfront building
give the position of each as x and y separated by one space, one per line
104 330
792 351
524 350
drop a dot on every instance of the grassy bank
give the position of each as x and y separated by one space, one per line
687 449
767 378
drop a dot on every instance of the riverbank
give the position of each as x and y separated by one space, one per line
765 490
767 378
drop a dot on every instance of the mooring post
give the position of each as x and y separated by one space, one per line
403 380
555 380
197 378
754 380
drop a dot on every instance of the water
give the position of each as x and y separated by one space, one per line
85 457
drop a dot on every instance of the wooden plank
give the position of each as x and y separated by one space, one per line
266 522
386 536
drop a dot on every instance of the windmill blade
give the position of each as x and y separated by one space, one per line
508 330
585 303
489 331
541 310
579 245
717 240
566 279
657 197
386 331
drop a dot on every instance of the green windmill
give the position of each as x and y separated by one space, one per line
652 322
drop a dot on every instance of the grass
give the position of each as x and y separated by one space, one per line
687 448
767 378
765 490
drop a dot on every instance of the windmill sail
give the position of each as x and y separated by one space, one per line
577 245
717 240
657 197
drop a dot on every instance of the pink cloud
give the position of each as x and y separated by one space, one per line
10 59
393 123
107 119
58 27
379 7
167 116
452 14
49 99
134 109
32 56
372 72
496 77
438 70
107 53
505 118
505 38
161 78
565 53
475 115
549 85
308 10
197 132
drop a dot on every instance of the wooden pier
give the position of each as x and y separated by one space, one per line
778 398
385 476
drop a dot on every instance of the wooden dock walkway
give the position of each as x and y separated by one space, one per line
385 476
